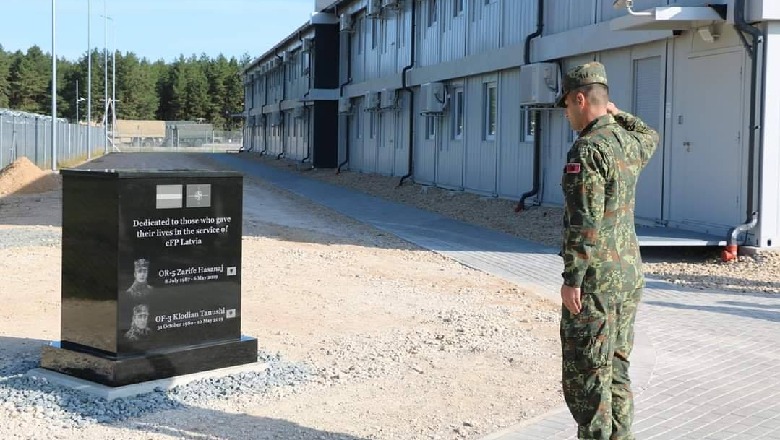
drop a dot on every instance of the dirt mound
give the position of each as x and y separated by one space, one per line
24 177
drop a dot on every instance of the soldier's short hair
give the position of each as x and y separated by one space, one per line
597 94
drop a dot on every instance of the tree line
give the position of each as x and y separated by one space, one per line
188 89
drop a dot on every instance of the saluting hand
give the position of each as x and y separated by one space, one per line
572 298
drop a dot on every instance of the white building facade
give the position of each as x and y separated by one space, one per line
459 94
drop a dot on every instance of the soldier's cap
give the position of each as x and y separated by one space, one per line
581 76
142 263
141 308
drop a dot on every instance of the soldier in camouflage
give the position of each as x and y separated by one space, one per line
603 277
140 288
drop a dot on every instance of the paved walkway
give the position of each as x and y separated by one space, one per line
706 364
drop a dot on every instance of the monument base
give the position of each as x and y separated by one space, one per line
117 372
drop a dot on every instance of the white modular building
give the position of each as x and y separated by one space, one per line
459 94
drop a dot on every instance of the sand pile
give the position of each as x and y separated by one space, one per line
24 177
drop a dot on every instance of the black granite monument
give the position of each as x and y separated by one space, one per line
151 275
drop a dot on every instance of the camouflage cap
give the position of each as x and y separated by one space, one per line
580 76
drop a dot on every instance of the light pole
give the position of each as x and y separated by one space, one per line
105 77
110 104
89 81
53 86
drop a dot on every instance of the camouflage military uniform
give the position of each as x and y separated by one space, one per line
601 256
139 291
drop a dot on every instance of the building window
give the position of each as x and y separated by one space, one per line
458 114
372 126
528 124
432 7
491 111
457 8
430 127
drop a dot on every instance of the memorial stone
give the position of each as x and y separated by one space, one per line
151 275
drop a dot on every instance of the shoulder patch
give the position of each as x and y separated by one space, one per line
572 168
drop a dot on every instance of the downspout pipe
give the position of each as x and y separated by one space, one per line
731 251
283 120
341 94
306 95
405 86
537 114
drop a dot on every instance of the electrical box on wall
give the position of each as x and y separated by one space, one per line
307 44
345 105
372 101
374 8
389 98
345 23
299 112
433 97
538 84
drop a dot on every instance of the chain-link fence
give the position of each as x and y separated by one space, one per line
28 134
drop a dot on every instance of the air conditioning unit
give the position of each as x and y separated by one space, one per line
374 8
299 112
307 44
274 63
389 98
345 105
372 101
345 23
276 119
286 56
433 97
538 84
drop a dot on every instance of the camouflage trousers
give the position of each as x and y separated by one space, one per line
596 346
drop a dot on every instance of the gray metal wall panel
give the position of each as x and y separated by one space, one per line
449 155
424 151
515 162
401 144
564 15
484 26
480 157
429 47
519 20
385 145
453 32
388 45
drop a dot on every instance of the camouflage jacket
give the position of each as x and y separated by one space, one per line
600 249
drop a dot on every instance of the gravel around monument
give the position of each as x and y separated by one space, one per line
367 336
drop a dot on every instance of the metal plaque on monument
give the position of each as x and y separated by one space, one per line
151 275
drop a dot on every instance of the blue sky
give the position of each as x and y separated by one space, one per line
154 29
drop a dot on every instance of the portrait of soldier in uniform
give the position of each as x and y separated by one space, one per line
140 288
139 324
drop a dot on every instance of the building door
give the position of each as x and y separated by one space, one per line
707 166
649 79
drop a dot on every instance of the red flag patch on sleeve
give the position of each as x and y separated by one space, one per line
572 168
